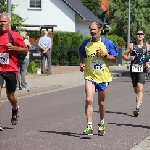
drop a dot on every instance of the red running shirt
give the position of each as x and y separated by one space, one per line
8 58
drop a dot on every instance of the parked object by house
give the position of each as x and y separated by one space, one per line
34 54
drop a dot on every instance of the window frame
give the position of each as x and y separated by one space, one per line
35 5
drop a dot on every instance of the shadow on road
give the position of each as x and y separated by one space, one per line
81 136
112 112
62 133
131 125
146 91
7 128
121 113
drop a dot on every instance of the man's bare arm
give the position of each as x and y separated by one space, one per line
111 58
82 65
148 48
127 52
100 53
16 48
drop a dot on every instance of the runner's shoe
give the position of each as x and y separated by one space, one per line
1 128
136 112
88 131
15 117
101 129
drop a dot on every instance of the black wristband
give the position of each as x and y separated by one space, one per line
105 56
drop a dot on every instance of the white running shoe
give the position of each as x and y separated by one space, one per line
1 128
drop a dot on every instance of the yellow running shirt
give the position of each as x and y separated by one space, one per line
96 68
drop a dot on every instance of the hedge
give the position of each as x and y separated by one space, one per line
66 46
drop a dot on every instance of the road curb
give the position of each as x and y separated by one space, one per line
126 73
34 90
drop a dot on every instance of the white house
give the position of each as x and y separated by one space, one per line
67 15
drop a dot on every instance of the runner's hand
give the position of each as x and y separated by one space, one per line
9 46
132 57
82 67
99 52
147 65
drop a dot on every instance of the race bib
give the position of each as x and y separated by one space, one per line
4 58
97 65
137 68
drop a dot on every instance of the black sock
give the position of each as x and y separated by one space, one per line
14 111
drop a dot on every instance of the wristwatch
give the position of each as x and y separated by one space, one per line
105 56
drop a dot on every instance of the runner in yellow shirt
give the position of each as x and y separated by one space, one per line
97 52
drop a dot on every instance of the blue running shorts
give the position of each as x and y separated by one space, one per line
100 86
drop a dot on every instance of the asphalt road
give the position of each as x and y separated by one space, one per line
56 120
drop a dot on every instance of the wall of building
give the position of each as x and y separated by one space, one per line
52 12
82 26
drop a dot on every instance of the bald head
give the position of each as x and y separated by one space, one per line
4 22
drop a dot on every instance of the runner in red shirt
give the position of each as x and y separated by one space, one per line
9 63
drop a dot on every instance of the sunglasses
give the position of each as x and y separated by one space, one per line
139 33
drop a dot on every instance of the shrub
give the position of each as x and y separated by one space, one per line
56 40
32 69
118 41
33 65
66 47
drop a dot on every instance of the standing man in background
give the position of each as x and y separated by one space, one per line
45 50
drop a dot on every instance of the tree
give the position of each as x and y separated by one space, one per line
16 20
93 6
140 17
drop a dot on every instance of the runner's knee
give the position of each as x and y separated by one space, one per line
101 103
10 96
88 101
139 89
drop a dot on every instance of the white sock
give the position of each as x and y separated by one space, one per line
101 121
90 124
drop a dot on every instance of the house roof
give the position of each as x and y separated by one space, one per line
82 11
42 26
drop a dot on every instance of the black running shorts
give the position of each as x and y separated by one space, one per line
137 78
11 80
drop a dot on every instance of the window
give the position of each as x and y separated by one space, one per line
35 3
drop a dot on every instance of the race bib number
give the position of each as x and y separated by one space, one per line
97 65
4 58
137 68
